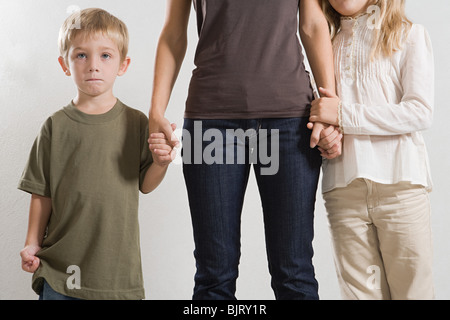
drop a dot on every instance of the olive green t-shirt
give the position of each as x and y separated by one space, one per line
92 167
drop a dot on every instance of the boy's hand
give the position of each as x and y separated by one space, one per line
30 262
163 150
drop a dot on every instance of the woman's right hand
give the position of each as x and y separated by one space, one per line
159 124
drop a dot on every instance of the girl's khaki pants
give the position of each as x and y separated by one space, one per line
382 240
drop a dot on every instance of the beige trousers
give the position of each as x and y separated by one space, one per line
382 240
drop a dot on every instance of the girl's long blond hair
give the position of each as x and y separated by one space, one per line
391 28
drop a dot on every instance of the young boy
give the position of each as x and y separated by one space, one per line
85 171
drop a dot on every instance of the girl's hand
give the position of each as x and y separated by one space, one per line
325 109
30 262
336 145
332 153
330 144
329 141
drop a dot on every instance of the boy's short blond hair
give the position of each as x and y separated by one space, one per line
91 22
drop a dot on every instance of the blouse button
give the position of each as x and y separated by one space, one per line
348 81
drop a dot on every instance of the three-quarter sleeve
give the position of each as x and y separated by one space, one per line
415 110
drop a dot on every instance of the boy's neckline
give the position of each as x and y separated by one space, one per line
77 115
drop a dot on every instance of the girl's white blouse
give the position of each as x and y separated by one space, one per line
385 104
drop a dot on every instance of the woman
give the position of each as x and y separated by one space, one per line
250 78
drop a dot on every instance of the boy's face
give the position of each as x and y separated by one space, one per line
94 62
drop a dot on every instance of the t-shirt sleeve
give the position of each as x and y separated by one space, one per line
36 175
146 155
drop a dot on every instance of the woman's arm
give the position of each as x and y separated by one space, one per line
315 36
169 58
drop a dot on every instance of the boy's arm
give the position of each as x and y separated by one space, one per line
153 177
163 154
40 210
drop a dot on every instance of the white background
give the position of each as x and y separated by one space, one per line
33 86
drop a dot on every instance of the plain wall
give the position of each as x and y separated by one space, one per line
33 86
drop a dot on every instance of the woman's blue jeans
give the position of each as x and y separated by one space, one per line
216 177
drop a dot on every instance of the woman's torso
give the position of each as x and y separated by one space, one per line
249 61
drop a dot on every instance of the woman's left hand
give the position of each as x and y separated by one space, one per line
325 109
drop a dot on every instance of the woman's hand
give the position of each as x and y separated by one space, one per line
325 109
162 140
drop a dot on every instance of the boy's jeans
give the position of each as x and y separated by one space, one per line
48 293
216 195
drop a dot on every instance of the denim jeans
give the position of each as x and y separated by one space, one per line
47 293
216 194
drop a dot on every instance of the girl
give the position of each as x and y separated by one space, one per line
376 193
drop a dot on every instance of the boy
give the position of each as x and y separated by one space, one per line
85 171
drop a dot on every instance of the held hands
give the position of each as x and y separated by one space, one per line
329 141
30 262
324 119
162 147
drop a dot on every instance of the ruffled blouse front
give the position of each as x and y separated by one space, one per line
386 102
